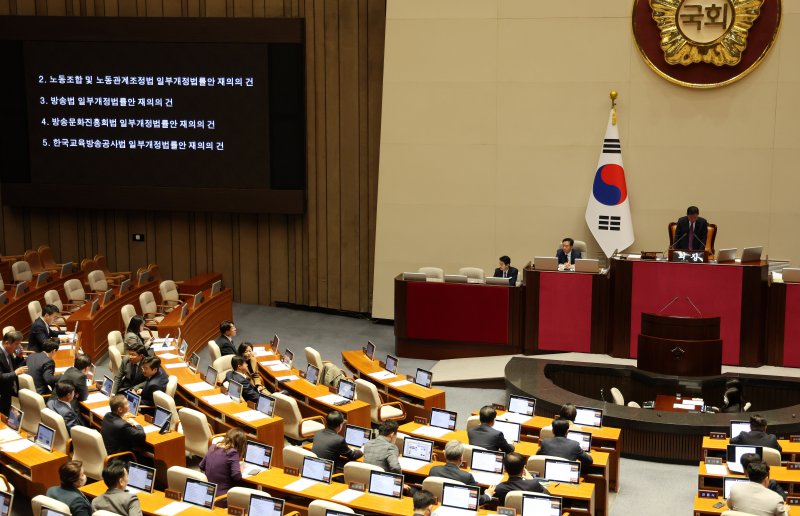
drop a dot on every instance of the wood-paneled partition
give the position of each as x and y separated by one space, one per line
324 258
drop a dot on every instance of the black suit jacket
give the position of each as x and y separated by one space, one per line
157 382
42 369
562 256
517 484
71 418
511 274
487 437
453 472
332 446
757 438
564 448
77 379
249 393
9 383
682 234
40 332
129 376
119 435
225 346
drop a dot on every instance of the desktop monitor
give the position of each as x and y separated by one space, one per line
737 427
487 460
95 306
419 449
22 287
370 350
211 376
124 286
235 390
584 439
141 478
265 404
442 418
386 484
587 416
194 362
258 454
66 268
6 499
566 471
45 437
423 378
184 311
161 417
320 470
108 295
184 348
107 385
42 278
312 374
346 389
735 452
14 418
356 435
265 506
521 405
143 278
134 400
510 430
456 496
198 298
197 492
216 288
535 504
287 358
391 364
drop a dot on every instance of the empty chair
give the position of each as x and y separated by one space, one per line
196 430
294 425
432 273
634 404
177 475
47 258
240 496
26 382
34 310
114 359
51 297
147 302
359 472
97 281
434 485
213 350
155 272
115 340
772 456
21 271
127 312
55 421
7 329
172 386
170 295
473 421
88 447
102 264
616 395
5 485
223 365
76 296
167 402
88 265
514 500
293 456
379 411
51 503
320 507
35 262
473 273
31 403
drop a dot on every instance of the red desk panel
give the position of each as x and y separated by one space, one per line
791 328
565 311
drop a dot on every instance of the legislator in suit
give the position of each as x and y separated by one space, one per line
249 392
63 408
41 331
691 231
130 375
157 379
332 446
120 435
506 271
77 376
757 436
485 435
564 448
11 365
42 368
567 254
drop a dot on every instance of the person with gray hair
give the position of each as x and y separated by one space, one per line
454 455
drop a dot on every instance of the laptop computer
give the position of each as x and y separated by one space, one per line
211 376
737 427
3 298
197 492
587 416
487 466
535 504
386 484
520 409
319 470
235 391
356 436
726 255
584 439
257 458
44 437
441 418
143 278
423 378
216 288
107 386
198 298
134 400
458 500
265 404
735 452
95 306
347 390
6 499
455 278
66 268
141 478
369 350
312 374
790 275
287 358
42 278
391 364
184 311
161 417
108 295
510 429
587 265
275 343
22 287
14 418
183 349
545 263
752 254
265 506
194 362
47 511
498 281
416 453
729 482
414 276
124 286
566 471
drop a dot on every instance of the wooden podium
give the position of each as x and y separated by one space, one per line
680 346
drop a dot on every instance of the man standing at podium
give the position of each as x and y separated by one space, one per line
692 231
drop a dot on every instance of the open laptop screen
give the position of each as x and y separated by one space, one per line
587 416
391 364
194 362
441 418
14 418
737 427
510 430
47 511
485 460
729 482
287 358
582 438
356 435
124 286
258 454
420 449
386 484
216 287
211 376
521 405
6 499
161 416
198 298
735 452
423 378
312 374
134 400
460 497
535 504
562 471
266 404
141 477
370 350
320 470
199 493
346 389
265 506
235 390
107 385
45 436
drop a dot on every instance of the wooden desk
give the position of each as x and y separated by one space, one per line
202 323
788 479
197 283
705 506
417 401
15 312
667 402
152 502
32 470
790 452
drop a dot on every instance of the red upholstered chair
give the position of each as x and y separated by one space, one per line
672 227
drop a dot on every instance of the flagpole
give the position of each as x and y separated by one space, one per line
613 95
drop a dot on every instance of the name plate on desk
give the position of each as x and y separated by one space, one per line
235 511
676 255
291 471
793 500
718 435
506 511
705 493
792 465
172 494
713 461
794 438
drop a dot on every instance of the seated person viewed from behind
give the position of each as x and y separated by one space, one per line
329 443
755 497
62 405
240 374
42 367
116 499
691 231
485 435
78 375
518 478
424 501
41 331
72 479
133 333
569 412
773 485
130 375
505 270
560 446
732 401
454 455
382 451
227 331
121 434
222 463
757 436
567 254
157 380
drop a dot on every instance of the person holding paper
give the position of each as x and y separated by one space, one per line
329 443
485 435
691 231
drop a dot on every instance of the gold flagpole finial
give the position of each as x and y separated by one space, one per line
613 95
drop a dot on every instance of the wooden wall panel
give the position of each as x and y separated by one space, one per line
323 258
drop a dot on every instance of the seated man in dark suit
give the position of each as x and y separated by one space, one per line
560 446
518 478
487 437
157 380
12 364
567 254
120 434
129 375
227 332
692 231
61 404
506 271
454 455
757 436
240 374
41 367
329 443
78 375
41 331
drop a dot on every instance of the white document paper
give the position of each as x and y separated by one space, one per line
149 429
400 383
347 496
514 417
17 446
300 485
217 399
431 431
95 397
685 406
167 355
173 508
717 469
65 347
251 415
176 365
267 363
288 378
382 375
7 434
330 399
101 411
280 366
198 387
262 352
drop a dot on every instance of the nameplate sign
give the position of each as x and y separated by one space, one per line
718 435
291 471
358 486
498 406
793 500
713 461
172 494
792 465
794 438
705 493
420 420
506 511
235 511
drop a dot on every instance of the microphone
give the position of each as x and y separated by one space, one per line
668 304
689 299
678 240
602 394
